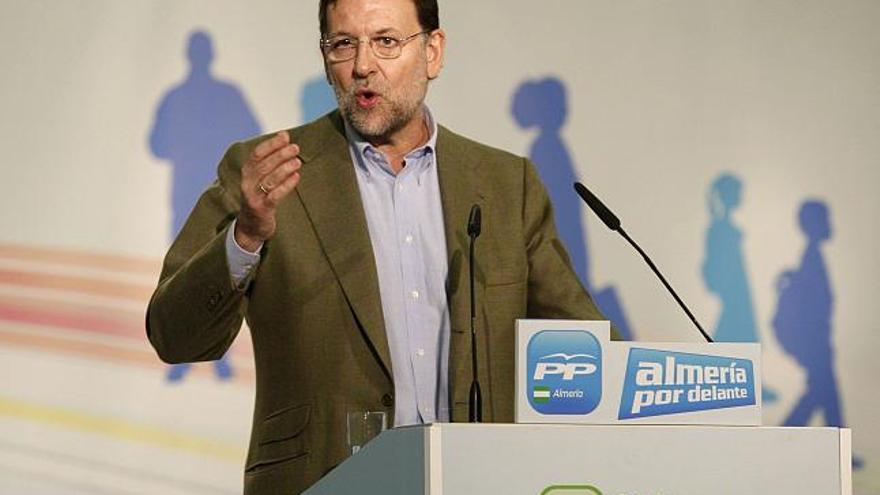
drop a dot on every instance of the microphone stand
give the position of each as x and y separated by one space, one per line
613 223
475 400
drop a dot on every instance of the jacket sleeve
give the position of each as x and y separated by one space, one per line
554 290
196 311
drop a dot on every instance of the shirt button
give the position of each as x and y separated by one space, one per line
414 294
409 239
400 187
420 352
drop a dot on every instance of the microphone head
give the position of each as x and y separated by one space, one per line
475 224
602 211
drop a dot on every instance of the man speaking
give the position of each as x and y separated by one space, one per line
344 243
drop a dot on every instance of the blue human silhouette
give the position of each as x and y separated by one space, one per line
543 104
195 122
316 98
724 269
803 320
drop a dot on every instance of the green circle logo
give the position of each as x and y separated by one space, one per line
571 490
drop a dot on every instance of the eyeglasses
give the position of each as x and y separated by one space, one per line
344 48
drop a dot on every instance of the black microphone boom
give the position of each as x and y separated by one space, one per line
602 211
613 223
475 400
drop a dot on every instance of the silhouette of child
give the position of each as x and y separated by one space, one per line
724 270
543 104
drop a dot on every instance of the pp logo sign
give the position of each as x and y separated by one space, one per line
564 372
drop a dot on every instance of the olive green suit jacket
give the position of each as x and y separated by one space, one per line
313 304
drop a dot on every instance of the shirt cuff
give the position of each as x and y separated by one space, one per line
241 262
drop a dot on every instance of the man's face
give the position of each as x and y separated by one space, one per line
379 97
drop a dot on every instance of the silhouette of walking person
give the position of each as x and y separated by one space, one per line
724 269
803 322
195 122
543 104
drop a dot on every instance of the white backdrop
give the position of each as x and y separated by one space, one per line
663 96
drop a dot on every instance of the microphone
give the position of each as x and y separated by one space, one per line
475 401
475 222
613 223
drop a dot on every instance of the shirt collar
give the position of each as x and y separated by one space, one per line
369 156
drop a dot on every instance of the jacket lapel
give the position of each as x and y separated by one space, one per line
331 198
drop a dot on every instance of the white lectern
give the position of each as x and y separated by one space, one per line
466 459
610 418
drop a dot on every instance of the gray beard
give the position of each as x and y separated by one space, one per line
396 120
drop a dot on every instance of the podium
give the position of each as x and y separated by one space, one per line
559 459
596 417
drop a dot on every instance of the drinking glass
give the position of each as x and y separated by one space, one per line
363 426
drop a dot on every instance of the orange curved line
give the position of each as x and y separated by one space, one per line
91 349
145 358
65 316
86 285
81 258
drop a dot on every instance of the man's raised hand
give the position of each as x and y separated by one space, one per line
270 174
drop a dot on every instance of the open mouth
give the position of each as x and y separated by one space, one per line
366 98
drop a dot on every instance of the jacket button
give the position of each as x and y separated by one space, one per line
215 296
387 400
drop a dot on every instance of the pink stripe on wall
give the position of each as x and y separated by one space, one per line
86 285
96 323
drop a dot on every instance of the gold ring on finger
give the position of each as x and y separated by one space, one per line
265 189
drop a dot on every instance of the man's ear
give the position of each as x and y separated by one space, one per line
434 49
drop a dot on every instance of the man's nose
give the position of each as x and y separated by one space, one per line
364 60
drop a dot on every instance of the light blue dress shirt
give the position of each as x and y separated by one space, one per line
405 221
